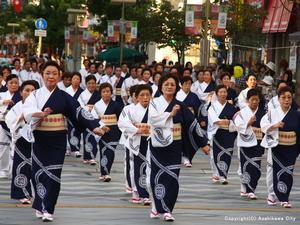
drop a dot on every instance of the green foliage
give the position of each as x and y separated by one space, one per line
55 13
245 23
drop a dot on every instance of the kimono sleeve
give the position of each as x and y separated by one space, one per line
193 136
265 122
158 119
80 117
125 123
240 123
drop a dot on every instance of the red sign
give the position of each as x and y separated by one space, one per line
276 17
286 14
268 20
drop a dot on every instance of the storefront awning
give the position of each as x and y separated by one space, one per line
278 16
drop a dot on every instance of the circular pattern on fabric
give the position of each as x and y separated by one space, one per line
21 181
41 190
281 186
104 161
142 181
160 191
74 141
86 115
246 178
88 147
222 165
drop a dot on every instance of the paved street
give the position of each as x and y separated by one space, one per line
85 200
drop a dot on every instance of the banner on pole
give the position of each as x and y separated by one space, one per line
129 29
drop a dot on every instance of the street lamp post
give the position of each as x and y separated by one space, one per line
13 25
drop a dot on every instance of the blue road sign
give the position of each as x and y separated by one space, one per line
41 24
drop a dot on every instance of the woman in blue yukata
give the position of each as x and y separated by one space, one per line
193 103
21 168
247 123
88 99
108 111
45 110
7 100
74 136
135 125
282 130
174 130
221 134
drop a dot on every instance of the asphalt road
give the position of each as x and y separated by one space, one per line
86 200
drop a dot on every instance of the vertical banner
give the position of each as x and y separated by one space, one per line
293 58
193 19
67 34
134 29
110 31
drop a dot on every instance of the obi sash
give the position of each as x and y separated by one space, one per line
141 125
53 122
287 138
177 129
224 127
109 120
258 133
118 91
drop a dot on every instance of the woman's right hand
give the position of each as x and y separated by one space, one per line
206 149
276 126
175 109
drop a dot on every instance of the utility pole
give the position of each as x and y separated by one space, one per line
122 31
206 42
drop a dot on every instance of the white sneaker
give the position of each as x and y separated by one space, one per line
168 217
47 217
38 214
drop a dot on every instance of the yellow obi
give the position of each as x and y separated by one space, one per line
109 120
177 131
258 133
224 127
287 138
118 91
143 125
53 122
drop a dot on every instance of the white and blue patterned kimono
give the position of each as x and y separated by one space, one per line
137 144
108 143
49 147
21 168
5 136
90 148
74 135
284 144
221 138
170 137
249 139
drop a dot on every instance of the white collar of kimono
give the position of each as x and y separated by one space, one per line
181 95
46 90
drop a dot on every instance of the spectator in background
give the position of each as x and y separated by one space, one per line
287 76
17 67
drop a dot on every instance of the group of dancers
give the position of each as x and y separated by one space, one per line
162 120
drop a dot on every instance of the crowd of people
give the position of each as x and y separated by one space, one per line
160 115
